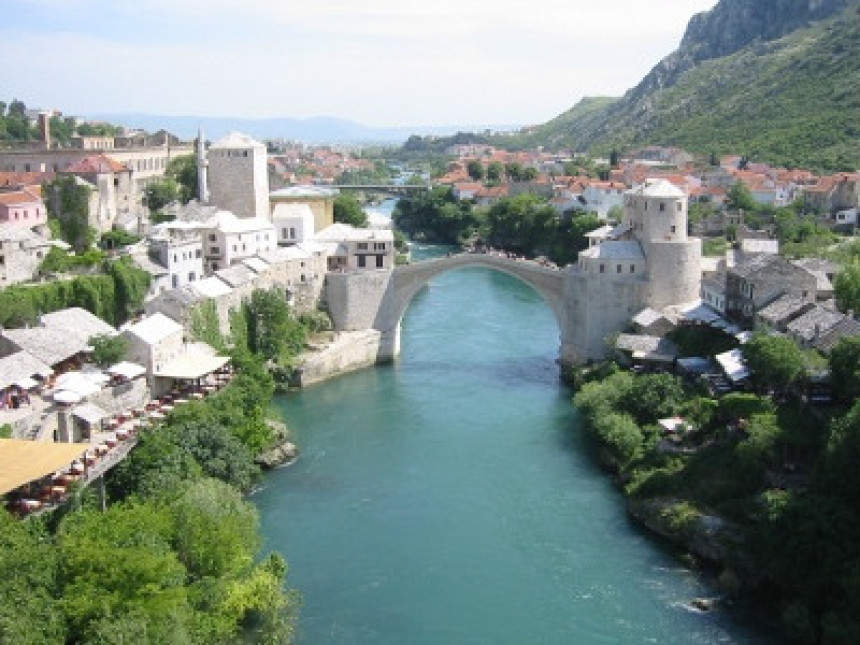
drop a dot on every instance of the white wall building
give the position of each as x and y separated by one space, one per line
238 176
228 239
356 249
178 247
294 223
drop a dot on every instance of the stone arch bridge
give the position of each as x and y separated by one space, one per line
378 300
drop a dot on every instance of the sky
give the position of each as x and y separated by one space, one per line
377 62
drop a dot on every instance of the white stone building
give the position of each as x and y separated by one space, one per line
21 253
154 341
238 176
178 247
293 222
228 239
357 249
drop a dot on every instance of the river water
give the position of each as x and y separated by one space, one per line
450 498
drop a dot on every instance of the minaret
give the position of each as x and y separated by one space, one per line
202 163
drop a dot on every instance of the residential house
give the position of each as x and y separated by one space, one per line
21 252
320 200
113 199
293 222
815 328
778 314
755 282
23 207
352 249
178 247
229 239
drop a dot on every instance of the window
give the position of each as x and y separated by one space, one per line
679 207
618 269
212 237
215 250
380 259
198 253
362 246
175 257
662 207
602 269
672 228
379 246
292 232
235 248
191 276
632 268
362 261
175 280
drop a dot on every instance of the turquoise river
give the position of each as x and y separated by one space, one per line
449 498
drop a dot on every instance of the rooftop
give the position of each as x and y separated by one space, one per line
155 328
631 250
236 140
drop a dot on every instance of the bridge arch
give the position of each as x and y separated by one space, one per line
407 281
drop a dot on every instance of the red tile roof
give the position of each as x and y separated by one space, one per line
96 164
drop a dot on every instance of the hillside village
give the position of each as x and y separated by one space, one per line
241 235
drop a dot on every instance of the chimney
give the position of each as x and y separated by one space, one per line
45 128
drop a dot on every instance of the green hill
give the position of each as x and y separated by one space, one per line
778 82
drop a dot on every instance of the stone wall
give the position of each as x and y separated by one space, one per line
349 351
354 300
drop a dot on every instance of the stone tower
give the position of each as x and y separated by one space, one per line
648 261
656 213
238 176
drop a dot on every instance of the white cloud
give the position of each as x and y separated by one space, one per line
377 61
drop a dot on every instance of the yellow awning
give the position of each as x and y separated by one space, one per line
25 461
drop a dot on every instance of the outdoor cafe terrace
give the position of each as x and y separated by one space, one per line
37 476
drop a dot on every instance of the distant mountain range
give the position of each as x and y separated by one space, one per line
316 130
775 80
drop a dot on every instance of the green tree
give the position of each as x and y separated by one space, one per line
120 561
845 368
272 329
183 171
349 211
514 171
108 349
29 610
775 361
68 206
524 224
495 172
740 197
654 396
529 173
475 169
846 286
160 193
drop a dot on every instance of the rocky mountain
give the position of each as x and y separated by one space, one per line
778 80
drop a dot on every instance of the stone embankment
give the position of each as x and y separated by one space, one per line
347 351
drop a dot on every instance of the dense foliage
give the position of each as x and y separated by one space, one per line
15 126
175 557
780 475
114 296
348 210
526 224
68 212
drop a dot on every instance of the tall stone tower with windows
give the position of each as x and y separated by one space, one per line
647 261
238 176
